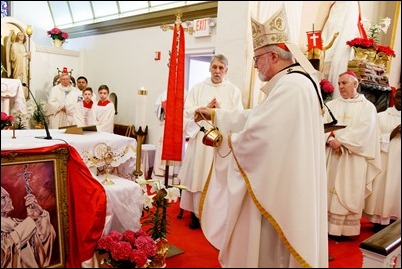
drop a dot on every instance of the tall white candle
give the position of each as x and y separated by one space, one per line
141 108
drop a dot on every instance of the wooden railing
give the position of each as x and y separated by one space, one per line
383 249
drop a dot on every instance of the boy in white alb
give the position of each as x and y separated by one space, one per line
104 110
84 115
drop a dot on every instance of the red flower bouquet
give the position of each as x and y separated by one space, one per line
326 89
56 33
385 49
326 86
128 249
6 120
361 42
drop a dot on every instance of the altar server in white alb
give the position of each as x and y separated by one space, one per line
384 204
84 115
104 110
277 202
353 157
62 103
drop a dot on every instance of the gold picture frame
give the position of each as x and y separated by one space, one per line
34 209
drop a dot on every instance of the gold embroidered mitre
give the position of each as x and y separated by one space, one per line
274 31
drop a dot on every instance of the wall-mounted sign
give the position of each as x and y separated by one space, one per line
202 27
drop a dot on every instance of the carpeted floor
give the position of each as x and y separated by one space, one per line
199 253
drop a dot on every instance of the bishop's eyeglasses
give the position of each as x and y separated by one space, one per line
255 58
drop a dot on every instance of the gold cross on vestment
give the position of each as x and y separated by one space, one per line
344 117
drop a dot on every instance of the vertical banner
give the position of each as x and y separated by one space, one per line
173 132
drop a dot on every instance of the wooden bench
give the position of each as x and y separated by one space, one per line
383 249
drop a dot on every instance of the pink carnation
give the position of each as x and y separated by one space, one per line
121 251
3 116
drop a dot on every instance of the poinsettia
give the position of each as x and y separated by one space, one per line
385 49
361 42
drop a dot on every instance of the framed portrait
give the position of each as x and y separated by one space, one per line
34 209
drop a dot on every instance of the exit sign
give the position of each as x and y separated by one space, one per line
201 27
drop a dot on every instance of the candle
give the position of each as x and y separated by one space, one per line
141 108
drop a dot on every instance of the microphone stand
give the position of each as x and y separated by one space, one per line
41 114
334 120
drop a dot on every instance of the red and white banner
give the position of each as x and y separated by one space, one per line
314 40
173 132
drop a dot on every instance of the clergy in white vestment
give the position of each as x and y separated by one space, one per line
214 91
353 157
384 204
276 204
62 102
344 19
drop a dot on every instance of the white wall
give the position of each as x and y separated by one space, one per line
125 60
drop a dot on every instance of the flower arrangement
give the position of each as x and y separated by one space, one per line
386 50
361 42
56 33
326 89
128 249
6 120
374 29
156 199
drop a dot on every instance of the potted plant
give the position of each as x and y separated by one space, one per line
157 198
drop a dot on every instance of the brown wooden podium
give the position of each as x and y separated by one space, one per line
330 128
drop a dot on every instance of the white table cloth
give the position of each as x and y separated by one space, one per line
91 146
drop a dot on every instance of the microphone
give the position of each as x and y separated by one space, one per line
41 114
334 120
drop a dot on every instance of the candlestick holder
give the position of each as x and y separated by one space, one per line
140 136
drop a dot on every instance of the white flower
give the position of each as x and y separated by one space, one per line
172 194
157 197
147 200
374 30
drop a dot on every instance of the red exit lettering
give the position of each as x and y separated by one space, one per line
201 25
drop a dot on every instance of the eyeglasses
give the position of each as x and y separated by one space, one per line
258 56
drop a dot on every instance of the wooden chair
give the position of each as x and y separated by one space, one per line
122 129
